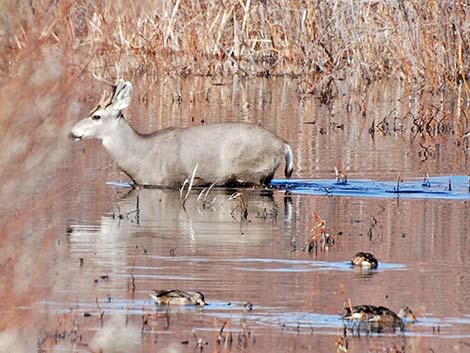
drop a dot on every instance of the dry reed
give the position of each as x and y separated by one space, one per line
420 43
320 239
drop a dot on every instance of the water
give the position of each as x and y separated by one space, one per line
296 296
80 262
442 187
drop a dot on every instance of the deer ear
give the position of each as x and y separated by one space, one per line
122 95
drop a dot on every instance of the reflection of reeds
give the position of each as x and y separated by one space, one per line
242 206
245 336
224 339
341 344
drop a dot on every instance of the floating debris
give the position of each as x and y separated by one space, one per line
341 177
398 180
102 278
426 183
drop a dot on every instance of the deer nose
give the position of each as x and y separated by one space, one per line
74 137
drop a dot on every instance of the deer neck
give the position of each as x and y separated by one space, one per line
126 147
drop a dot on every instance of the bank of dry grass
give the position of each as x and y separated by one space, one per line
420 43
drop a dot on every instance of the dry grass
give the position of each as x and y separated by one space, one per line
420 43
49 50
320 239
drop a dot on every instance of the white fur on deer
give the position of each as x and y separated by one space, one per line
226 153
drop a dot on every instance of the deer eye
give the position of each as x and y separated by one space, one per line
96 117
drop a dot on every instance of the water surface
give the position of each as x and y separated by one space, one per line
86 255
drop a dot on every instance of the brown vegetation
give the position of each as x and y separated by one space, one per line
50 49
420 43
319 239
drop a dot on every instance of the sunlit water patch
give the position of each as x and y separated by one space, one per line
442 187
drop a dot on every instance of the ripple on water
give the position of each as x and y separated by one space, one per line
276 265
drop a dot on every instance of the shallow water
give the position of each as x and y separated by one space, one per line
91 247
441 187
296 296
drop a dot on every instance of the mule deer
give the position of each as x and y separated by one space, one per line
220 154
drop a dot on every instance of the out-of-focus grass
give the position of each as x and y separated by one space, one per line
39 89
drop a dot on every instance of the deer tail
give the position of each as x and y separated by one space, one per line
289 160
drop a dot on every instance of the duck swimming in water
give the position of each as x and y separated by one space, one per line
365 260
379 317
177 297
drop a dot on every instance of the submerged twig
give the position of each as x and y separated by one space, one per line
241 205
99 310
200 343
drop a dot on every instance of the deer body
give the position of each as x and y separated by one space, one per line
226 153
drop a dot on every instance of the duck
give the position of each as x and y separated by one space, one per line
365 260
379 317
177 297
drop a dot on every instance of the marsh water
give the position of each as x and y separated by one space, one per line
87 254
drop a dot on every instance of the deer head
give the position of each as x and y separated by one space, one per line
101 122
